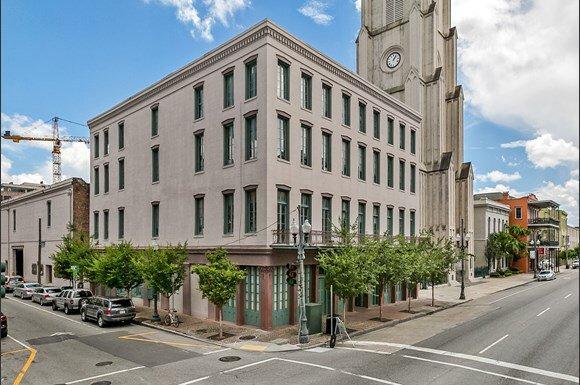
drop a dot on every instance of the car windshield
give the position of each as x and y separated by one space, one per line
545 272
15 279
83 294
121 303
32 285
53 290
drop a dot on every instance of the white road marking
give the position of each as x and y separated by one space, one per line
318 349
306 363
547 373
52 313
370 378
363 350
104 375
517 292
196 380
216 351
474 369
566 297
19 343
248 365
542 312
495 343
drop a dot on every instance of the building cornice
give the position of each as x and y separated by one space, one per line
264 29
46 191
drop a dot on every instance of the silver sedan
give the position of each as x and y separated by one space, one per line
546 275
25 290
45 295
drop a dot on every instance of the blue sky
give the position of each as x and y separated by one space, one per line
75 59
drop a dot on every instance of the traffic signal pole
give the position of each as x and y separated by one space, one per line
39 261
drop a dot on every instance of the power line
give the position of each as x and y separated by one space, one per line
70 121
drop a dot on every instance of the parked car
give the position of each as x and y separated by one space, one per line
546 275
25 290
66 287
3 325
69 300
44 295
575 264
108 310
11 282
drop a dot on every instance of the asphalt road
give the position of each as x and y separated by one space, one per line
524 335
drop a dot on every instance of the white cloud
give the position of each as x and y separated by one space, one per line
545 151
188 13
575 173
498 176
316 10
498 188
6 176
519 60
565 194
357 4
23 125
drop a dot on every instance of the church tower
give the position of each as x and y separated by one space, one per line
409 49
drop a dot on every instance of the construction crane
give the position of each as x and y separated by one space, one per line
57 142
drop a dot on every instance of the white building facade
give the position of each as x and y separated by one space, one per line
490 217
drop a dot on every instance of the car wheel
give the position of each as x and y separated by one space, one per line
66 309
100 321
83 316
54 307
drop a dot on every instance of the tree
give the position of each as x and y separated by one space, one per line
218 280
348 267
416 258
163 270
439 257
117 267
495 248
74 257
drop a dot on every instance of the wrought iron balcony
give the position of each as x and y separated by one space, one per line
323 238
543 222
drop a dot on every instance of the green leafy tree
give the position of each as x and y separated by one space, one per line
162 269
495 248
218 280
117 267
439 256
74 258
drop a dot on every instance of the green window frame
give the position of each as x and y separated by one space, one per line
199 224
413 142
120 223
413 178
283 80
306 145
283 210
376 219
376 167
402 134
305 207
252 292
362 162
155 219
251 137
402 175
326 101
362 117
96 180
376 124
155 164
390 221
306 91
412 223
390 171
251 79
345 213
121 175
96 225
346 109
154 121
228 213
228 129
326 214
283 148
251 211
121 135
198 102
345 157
390 130
105 224
199 152
362 218
106 178
48 213
401 221
229 89
326 151
96 145
106 142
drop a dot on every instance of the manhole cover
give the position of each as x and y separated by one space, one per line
101 383
104 363
228 359
248 337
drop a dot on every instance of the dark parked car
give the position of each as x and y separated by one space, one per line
108 310
69 300
3 325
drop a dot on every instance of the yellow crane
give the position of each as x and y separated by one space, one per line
57 141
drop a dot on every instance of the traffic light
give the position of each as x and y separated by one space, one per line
2 279
291 273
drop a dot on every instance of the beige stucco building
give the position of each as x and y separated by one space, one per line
47 211
490 217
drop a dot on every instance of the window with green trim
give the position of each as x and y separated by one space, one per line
401 221
326 214
390 130
283 211
362 218
376 167
326 151
389 221
283 150
199 152
106 178
251 79
229 89
120 223
306 145
155 164
283 80
413 142
326 101
306 91
362 162
412 223
390 170
345 157
106 224
413 178
402 132
251 211
362 117
376 124
155 219
346 109
96 225
121 175
401 174
199 216
228 143
251 138
121 135
198 102
154 121
228 213
376 219
345 214
305 207
96 178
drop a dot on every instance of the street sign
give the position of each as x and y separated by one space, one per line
532 254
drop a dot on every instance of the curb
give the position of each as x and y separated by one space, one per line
181 334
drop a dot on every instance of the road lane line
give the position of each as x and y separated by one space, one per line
14 351
547 373
474 369
104 375
52 313
495 343
370 378
566 297
217 351
517 292
196 380
542 312
28 362
364 350
247 366
306 363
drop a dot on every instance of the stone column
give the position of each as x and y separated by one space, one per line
240 303
266 297
186 296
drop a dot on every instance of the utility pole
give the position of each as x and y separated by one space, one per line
39 261
301 230
462 242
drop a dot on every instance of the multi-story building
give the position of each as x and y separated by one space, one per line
573 236
222 151
41 218
490 217
563 222
11 190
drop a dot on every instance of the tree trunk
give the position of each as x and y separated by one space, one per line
433 293
344 311
382 288
221 326
408 297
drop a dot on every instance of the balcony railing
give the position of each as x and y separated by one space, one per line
324 238
543 221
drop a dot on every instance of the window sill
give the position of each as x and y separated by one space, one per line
198 119
305 166
345 126
390 187
106 155
362 180
326 172
377 139
228 165
250 160
198 236
121 149
251 99
156 182
377 184
200 172
227 235
155 136
121 189
283 100
251 234
362 132
228 108
390 144
327 118
306 109
345 176
283 160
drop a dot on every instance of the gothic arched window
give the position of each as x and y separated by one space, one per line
394 10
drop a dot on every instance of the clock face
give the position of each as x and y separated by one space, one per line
393 60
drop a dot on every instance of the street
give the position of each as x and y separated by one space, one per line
527 334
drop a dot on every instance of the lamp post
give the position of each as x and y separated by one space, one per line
301 231
535 243
462 240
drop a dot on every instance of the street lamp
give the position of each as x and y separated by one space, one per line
462 240
302 232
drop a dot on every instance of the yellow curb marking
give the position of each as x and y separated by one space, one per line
14 351
24 369
253 348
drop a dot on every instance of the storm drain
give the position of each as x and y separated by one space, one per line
248 337
104 363
101 383
229 358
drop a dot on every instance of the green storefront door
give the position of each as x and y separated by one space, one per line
229 310
252 297
280 305
375 296
398 292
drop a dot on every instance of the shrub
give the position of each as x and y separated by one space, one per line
507 273
495 274
515 270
